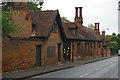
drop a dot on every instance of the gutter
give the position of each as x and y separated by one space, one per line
84 40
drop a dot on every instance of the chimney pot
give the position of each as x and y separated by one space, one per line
96 26
80 12
76 11
103 33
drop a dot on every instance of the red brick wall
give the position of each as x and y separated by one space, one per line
20 19
107 51
22 53
86 52
54 38
18 53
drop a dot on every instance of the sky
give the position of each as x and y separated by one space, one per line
103 11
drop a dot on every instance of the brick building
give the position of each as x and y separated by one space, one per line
40 43
106 45
45 40
81 42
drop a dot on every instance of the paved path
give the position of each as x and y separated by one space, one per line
40 71
107 68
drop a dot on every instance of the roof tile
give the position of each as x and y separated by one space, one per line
43 21
88 34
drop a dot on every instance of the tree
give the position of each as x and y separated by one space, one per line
114 34
64 19
6 6
118 41
114 38
114 42
35 6
114 47
8 27
91 26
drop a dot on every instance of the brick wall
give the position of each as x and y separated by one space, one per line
85 50
22 53
22 18
18 53
54 38
107 51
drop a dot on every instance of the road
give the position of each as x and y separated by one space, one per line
107 68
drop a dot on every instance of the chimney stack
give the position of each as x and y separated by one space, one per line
97 30
103 33
18 4
78 18
96 26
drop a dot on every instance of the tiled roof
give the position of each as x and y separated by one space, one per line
43 21
69 32
87 34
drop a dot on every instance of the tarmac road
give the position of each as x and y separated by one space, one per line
107 68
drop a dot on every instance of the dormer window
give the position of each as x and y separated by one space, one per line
33 29
74 29
54 28
33 33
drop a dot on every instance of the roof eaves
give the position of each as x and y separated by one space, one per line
84 40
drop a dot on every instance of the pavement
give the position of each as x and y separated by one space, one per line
107 68
39 71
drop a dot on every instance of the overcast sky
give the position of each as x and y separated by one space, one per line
103 11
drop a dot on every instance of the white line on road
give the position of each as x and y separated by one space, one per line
85 74
90 72
99 68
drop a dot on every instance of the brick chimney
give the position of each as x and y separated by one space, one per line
23 18
18 4
97 30
78 18
103 33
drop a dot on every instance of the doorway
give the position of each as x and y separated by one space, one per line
59 52
38 55
66 51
